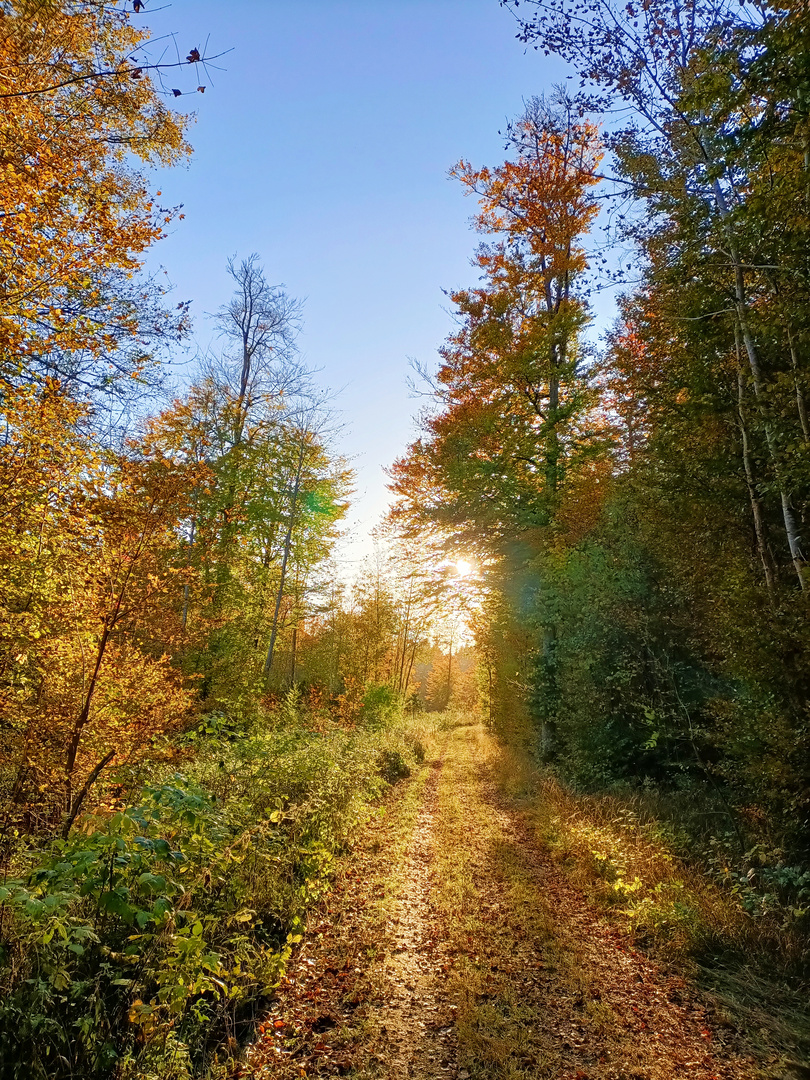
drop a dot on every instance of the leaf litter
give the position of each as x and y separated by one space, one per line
452 945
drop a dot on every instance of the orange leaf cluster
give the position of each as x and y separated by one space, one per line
72 207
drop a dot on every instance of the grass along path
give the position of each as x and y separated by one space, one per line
453 945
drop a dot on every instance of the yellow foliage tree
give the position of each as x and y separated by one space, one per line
90 609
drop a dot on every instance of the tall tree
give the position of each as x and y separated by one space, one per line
514 431
266 516
694 580
512 400
77 216
715 141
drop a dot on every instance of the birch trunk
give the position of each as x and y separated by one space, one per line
741 305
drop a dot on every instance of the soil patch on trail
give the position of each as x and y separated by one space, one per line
417 1033
363 995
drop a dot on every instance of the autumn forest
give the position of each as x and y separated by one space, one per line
255 813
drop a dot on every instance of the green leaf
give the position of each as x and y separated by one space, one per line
155 883
116 904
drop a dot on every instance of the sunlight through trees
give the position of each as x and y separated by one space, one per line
596 547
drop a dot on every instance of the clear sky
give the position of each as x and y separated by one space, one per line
324 146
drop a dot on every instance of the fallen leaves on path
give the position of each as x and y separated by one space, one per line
555 990
457 947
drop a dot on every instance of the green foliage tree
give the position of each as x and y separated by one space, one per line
704 387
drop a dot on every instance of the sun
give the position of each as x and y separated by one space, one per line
464 568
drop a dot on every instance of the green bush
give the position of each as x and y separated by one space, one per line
148 940
381 704
392 766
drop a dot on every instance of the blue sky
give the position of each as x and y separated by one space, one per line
324 146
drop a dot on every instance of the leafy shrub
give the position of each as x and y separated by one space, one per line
762 882
417 748
141 944
392 766
140 925
380 705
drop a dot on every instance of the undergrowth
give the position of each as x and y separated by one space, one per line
142 947
736 918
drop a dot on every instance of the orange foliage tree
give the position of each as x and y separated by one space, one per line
75 215
514 462
513 419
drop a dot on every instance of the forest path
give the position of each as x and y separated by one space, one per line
416 1026
452 945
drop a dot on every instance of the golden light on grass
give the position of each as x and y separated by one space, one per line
464 568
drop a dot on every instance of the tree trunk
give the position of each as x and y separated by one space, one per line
548 727
268 662
76 805
294 648
189 547
753 495
801 405
741 303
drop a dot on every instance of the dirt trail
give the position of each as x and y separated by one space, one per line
416 1026
453 946
553 990
364 994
